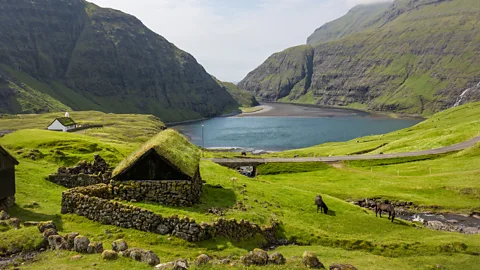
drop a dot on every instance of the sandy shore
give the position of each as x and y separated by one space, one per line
292 110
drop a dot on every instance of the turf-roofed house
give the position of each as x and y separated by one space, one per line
63 124
7 179
165 169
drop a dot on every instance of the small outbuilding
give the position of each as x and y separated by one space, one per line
7 179
169 162
62 124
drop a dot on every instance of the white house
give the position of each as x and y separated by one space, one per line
62 124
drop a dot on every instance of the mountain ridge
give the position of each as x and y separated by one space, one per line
417 58
91 58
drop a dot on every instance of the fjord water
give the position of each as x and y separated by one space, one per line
275 133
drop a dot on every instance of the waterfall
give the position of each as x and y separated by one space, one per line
462 95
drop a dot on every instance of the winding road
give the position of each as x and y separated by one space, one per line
239 162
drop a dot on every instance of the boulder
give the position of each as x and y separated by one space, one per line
57 242
80 244
42 226
4 215
95 247
109 255
338 266
311 260
180 264
276 258
202 259
119 245
70 238
150 258
14 222
48 232
255 257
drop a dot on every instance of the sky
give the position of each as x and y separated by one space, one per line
232 37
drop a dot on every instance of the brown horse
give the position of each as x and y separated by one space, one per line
380 207
321 204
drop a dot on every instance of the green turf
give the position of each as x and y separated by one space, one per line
348 234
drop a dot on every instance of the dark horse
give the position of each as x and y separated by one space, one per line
380 207
321 204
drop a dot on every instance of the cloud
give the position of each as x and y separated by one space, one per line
230 37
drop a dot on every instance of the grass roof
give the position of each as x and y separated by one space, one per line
66 121
171 145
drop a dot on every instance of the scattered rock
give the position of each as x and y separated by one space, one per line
42 226
165 266
276 258
180 264
255 257
80 244
4 215
76 257
149 257
49 232
109 255
30 223
311 260
14 222
222 261
119 245
337 266
70 238
96 247
202 259
57 242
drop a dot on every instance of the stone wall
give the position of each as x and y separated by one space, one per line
94 203
83 174
7 202
167 192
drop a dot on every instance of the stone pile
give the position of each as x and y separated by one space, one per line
83 174
94 202
260 257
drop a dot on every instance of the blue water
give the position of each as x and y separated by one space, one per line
282 133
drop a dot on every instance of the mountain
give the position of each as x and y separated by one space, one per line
242 97
71 54
417 57
358 19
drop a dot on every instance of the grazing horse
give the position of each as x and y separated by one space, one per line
244 153
380 207
321 204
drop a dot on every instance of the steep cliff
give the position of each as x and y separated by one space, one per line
87 57
418 57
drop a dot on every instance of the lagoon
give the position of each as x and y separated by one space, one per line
283 126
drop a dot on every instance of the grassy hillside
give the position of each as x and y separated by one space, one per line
356 20
242 97
283 74
74 54
348 234
418 58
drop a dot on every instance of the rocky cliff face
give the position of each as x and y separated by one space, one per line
86 57
417 58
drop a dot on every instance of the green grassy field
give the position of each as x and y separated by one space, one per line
348 234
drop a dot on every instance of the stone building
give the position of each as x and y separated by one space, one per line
7 179
170 165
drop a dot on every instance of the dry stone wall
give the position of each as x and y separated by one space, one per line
95 203
83 174
167 192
